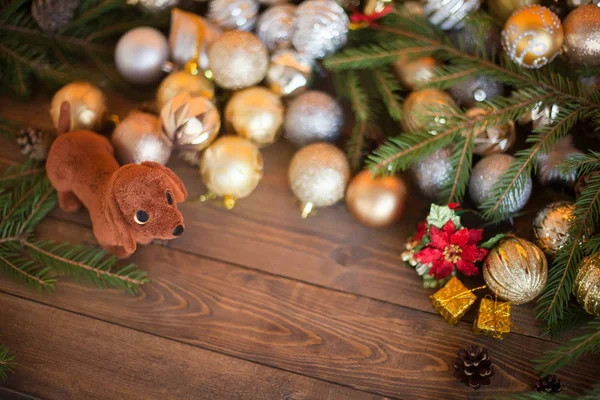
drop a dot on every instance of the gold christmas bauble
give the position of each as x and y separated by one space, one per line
138 138
551 226
87 103
425 108
231 167
516 270
318 175
532 37
493 138
376 202
182 81
502 9
587 284
413 73
582 35
256 114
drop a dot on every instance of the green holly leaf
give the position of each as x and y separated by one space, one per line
439 216
493 241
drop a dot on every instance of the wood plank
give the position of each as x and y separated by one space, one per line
62 355
355 341
329 249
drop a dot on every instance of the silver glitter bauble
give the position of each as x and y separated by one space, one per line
154 6
486 174
548 170
138 138
141 54
233 14
433 172
289 73
238 60
313 117
449 14
276 26
320 28
475 90
551 226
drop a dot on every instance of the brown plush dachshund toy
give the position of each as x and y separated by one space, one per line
128 205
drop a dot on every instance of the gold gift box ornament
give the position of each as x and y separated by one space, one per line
454 300
493 318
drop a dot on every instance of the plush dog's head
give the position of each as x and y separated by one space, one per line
142 201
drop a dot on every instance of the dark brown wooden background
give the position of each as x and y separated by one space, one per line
253 303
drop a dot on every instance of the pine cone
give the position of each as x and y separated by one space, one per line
35 143
583 181
473 366
52 15
548 384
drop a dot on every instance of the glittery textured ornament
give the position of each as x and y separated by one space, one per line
138 138
276 26
473 90
433 172
320 28
502 9
577 3
415 72
487 172
238 60
532 37
182 81
493 138
376 202
190 122
231 167
270 3
582 35
472 40
318 175
154 6
53 15
141 54
289 73
255 114
449 14
548 164
551 226
313 117
87 103
233 14
587 284
516 270
427 108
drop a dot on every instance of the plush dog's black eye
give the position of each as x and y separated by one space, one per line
141 217
169 198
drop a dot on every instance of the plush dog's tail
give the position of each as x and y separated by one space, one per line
64 118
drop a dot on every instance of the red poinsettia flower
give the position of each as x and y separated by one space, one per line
421 230
449 247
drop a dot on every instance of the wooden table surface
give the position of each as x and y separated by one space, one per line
253 303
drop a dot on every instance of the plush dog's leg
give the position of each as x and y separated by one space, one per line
68 202
118 251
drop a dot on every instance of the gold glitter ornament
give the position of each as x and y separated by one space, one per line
87 103
551 226
516 270
289 73
318 175
138 138
582 35
587 284
502 9
415 72
493 138
255 114
182 81
426 108
532 37
376 202
231 167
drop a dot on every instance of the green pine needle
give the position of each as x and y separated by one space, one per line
7 362
388 87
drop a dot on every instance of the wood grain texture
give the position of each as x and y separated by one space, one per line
354 341
267 233
62 355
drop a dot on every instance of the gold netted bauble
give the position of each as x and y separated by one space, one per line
587 284
551 226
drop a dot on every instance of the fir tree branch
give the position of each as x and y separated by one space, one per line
388 88
357 97
460 178
582 163
21 174
356 144
573 316
39 69
7 362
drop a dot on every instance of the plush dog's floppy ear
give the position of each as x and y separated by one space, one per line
179 189
117 221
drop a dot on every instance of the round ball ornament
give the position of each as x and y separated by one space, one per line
276 26
233 14
532 37
433 172
426 108
493 138
141 54
413 73
318 175
472 41
182 81
238 60
502 9
449 14
138 138
289 73
255 114
320 28
487 172
154 6
190 122
587 284
313 116
231 167
376 201
582 35
476 89
87 104
516 270
551 226
549 170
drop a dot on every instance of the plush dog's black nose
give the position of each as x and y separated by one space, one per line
178 231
